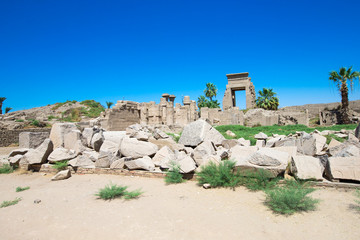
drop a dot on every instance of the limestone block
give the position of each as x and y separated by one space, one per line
82 161
320 142
61 154
32 139
306 167
165 154
357 131
58 132
131 147
118 164
204 149
230 134
260 143
62 175
114 136
20 151
244 142
105 159
71 138
198 132
38 155
109 146
239 154
271 142
230 143
92 155
158 134
187 164
261 136
141 136
15 160
97 140
87 135
349 151
346 168
144 163
307 145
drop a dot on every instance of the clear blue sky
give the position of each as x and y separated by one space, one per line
58 50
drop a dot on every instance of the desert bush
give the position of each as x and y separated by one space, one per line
290 198
259 180
93 108
9 203
222 175
62 165
19 120
174 176
113 191
6 168
20 189
175 137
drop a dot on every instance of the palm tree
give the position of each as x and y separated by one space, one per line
202 102
109 104
2 99
267 99
210 90
342 79
8 109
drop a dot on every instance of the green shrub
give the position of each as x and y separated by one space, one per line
113 191
333 136
133 194
62 165
51 117
19 120
222 175
9 203
357 195
20 189
290 198
93 108
5 169
259 180
174 176
175 137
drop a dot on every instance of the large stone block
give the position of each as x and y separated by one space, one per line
306 167
82 161
144 163
346 168
131 147
58 132
38 155
32 139
165 154
61 154
71 138
198 132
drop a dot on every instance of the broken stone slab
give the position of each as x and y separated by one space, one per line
187 164
92 155
352 137
306 167
287 142
244 142
198 132
141 136
335 151
229 143
320 142
260 143
261 136
61 154
230 134
270 142
32 139
334 143
104 160
118 164
38 155
291 150
345 168
62 175
158 134
204 149
109 146
82 161
131 147
239 154
357 131
15 160
144 163
87 135
341 135
20 151
58 132
71 138
349 151
165 154
97 140
307 144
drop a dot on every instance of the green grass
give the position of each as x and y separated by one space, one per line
6 168
222 175
19 120
176 138
9 203
259 180
113 191
58 105
20 189
62 165
290 198
174 176
93 108
333 136
249 132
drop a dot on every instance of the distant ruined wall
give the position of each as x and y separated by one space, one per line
8 137
228 117
122 115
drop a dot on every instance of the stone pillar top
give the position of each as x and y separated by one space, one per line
172 98
186 100
165 95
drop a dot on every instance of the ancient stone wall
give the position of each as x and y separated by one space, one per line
8 137
231 116
122 115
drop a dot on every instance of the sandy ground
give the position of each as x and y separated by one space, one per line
69 210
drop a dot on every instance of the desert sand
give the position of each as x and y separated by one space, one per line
70 210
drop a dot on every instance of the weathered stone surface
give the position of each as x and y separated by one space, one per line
210 159
61 154
144 163
87 135
104 160
118 164
141 136
320 142
40 154
114 136
109 146
230 143
349 151
92 155
71 138
306 167
239 154
20 151
58 132
32 139
15 160
198 132
244 142
97 140
260 143
204 149
158 134
230 134
333 143
261 136
307 145
131 147
346 168
341 135
62 175
357 131
272 141
82 161
165 154
187 164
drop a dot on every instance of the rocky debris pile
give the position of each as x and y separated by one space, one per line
303 155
